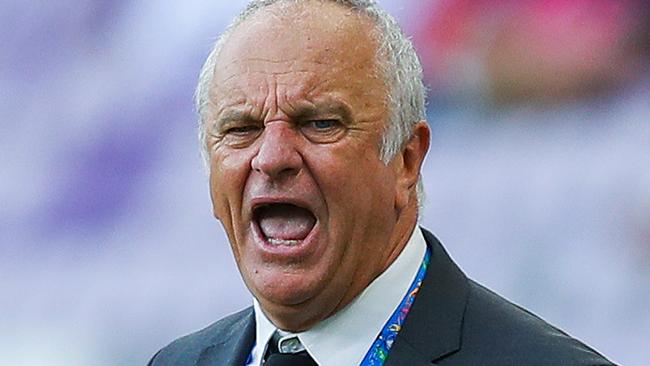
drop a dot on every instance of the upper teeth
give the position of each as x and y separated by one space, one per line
274 241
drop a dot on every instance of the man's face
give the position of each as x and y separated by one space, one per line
296 177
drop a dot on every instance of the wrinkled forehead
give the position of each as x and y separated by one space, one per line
311 31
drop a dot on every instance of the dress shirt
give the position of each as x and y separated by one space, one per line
345 337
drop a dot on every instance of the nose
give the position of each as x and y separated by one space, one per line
277 156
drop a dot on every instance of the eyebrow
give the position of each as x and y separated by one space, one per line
230 115
233 115
323 107
299 111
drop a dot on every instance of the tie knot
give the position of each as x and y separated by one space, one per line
285 349
289 343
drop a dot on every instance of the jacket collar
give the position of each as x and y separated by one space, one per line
235 344
433 328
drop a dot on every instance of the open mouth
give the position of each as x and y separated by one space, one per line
284 224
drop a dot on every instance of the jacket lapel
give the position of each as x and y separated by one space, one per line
433 328
234 346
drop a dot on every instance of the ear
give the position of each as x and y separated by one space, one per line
408 163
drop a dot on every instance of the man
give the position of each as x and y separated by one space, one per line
312 119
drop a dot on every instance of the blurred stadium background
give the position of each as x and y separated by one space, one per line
538 178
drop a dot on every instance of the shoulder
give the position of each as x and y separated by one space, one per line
457 321
497 330
188 349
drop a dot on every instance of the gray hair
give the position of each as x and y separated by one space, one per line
396 61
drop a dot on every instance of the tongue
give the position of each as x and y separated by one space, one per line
286 222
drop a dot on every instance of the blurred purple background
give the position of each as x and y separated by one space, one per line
538 178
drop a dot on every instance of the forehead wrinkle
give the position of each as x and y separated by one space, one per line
259 66
237 68
278 98
265 73
268 92
245 64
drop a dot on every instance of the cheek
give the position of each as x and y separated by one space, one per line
352 181
228 174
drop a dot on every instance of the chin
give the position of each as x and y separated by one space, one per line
284 288
295 309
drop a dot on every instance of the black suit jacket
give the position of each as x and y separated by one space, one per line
454 321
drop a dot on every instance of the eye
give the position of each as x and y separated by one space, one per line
238 135
323 130
323 124
242 130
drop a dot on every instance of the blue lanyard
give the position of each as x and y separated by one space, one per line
378 352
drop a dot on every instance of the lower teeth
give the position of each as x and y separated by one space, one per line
284 242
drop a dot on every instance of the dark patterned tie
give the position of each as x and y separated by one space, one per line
290 359
276 358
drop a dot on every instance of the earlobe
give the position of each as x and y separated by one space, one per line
411 159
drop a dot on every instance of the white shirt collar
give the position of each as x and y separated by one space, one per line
357 325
